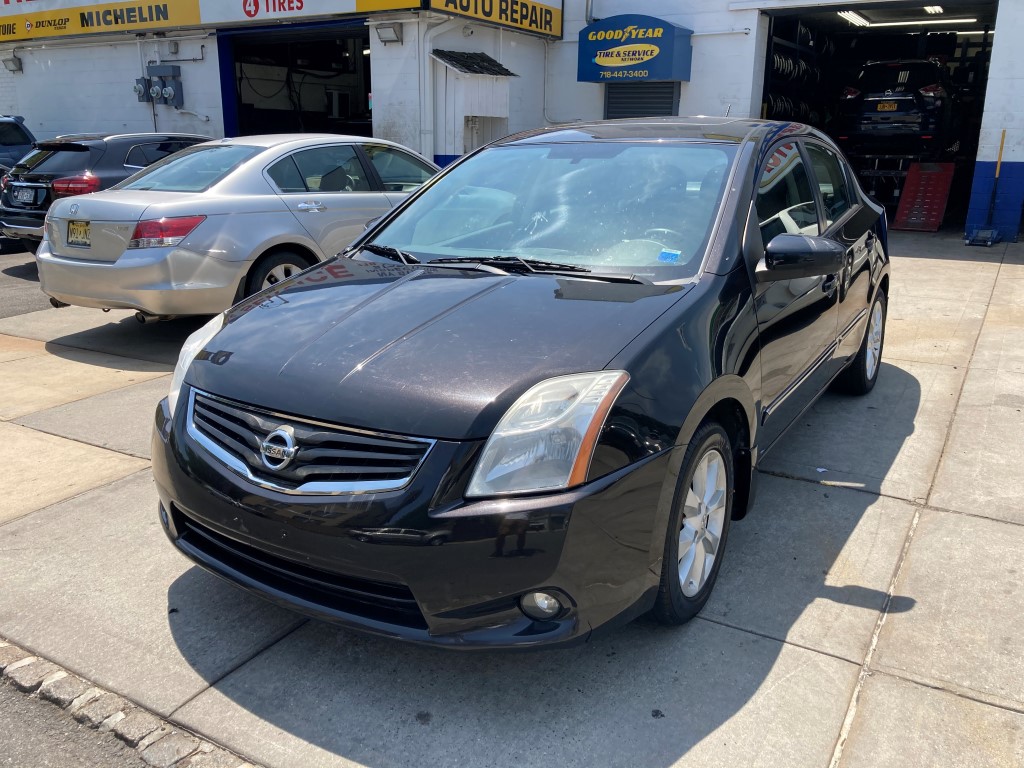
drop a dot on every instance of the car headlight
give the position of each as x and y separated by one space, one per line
192 347
545 441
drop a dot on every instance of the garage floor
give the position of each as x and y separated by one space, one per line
870 610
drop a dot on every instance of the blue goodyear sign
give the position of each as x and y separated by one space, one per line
633 47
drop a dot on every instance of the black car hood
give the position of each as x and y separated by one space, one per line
420 351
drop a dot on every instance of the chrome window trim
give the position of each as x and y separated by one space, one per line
239 467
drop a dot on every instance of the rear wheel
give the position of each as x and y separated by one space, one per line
698 526
271 270
860 376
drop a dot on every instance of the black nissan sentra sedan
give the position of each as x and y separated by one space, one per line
557 365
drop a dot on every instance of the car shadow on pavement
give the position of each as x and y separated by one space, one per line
768 668
27 271
130 340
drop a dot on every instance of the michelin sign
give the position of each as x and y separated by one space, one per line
633 47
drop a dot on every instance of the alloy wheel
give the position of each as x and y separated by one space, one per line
703 520
874 345
279 273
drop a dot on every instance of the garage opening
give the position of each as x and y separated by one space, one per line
289 81
899 86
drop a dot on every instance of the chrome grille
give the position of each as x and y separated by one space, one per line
329 459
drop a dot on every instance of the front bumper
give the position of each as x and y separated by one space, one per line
596 546
157 281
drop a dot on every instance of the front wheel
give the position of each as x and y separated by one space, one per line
698 526
860 376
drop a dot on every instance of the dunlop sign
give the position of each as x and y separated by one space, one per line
540 18
633 47
57 18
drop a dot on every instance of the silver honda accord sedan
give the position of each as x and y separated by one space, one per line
219 221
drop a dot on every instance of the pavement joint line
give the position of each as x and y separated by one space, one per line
911 502
865 669
958 692
165 728
87 397
77 495
73 439
258 652
783 641
963 381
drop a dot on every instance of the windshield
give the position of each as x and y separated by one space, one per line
195 169
613 207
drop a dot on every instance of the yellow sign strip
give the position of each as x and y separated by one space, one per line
369 6
99 18
522 15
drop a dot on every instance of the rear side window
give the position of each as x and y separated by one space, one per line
785 199
835 192
334 168
12 134
286 176
66 160
142 155
194 170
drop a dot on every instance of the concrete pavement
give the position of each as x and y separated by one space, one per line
869 610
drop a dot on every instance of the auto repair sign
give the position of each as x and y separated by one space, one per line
633 47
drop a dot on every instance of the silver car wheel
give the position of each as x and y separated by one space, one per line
703 521
279 273
874 345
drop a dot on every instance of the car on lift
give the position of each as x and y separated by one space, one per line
75 164
217 222
568 353
907 106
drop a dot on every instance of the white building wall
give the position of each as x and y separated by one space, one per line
83 87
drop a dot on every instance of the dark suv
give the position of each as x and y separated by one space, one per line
15 139
75 165
900 106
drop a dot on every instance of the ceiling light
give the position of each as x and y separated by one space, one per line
933 9
920 22
854 18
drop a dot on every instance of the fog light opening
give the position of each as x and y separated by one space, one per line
163 517
540 605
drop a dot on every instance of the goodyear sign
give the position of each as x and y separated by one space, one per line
633 47
541 17
35 19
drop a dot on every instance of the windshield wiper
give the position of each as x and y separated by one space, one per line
538 267
389 253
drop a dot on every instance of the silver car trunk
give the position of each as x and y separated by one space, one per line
98 227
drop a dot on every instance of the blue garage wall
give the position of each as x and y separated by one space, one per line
1004 110
1009 199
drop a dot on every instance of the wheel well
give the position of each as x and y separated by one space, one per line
884 285
299 250
730 414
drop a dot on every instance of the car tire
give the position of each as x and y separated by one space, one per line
861 374
273 269
698 525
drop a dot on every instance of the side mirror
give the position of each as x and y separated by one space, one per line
788 257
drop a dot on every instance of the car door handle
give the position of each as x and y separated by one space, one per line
311 205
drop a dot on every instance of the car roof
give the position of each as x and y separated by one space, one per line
80 138
700 128
269 140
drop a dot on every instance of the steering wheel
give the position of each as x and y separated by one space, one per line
659 234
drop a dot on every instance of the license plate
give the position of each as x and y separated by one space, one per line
25 195
886 106
78 233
